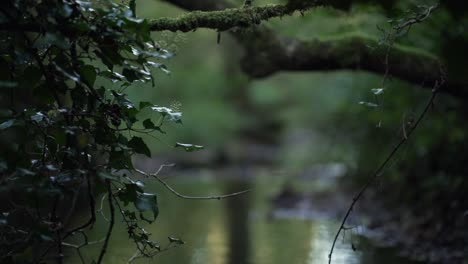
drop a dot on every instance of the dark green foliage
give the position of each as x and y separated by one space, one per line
61 132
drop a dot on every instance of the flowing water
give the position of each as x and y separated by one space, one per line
238 230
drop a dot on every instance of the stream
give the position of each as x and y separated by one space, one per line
244 229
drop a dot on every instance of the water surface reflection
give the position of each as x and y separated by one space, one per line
236 231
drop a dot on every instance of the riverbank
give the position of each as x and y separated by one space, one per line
426 233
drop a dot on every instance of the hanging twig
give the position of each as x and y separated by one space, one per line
214 197
416 19
85 243
378 172
92 210
111 223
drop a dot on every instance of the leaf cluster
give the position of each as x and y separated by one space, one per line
62 133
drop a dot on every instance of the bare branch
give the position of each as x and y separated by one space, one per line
111 223
416 19
383 165
214 197
85 243
101 211
92 210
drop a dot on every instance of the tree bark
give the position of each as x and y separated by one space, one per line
266 53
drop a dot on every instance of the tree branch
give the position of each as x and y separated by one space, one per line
229 18
349 52
267 53
214 197
111 223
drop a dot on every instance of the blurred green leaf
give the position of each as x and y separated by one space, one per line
175 240
165 111
7 124
147 202
88 74
189 147
148 124
139 146
369 104
378 91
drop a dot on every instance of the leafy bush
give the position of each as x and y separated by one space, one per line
62 134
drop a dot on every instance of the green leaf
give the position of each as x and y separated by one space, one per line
88 74
108 176
38 117
31 77
165 111
131 75
113 76
378 91
164 69
148 124
7 124
143 105
139 146
369 104
8 84
176 240
3 166
146 202
189 147
132 6
120 160
129 194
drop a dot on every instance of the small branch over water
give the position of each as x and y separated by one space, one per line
183 196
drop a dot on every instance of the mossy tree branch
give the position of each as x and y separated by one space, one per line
266 53
349 52
231 17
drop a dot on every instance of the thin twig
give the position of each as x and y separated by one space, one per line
92 210
85 243
378 172
214 197
101 211
111 223
417 19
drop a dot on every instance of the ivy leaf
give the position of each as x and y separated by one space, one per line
31 77
176 240
377 91
113 76
108 176
143 105
139 146
164 69
120 160
148 124
8 84
166 111
146 202
369 104
130 193
131 75
7 124
38 117
189 147
88 74
160 66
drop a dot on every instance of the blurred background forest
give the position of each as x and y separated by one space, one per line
304 142
293 121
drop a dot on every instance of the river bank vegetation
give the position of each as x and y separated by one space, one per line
364 100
